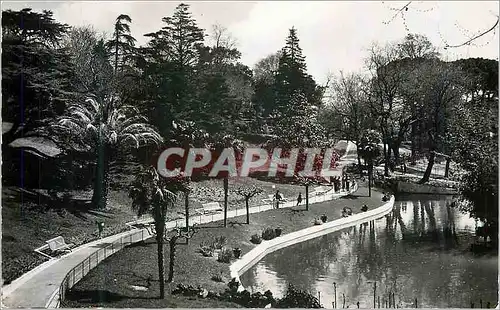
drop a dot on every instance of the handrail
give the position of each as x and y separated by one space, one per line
80 270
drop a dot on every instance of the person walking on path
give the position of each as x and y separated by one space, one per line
100 227
299 199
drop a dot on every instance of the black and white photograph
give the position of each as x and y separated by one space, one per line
238 154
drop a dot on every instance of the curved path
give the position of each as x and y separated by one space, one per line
39 288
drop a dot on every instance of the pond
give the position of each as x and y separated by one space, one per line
417 252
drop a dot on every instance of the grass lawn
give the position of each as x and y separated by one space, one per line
108 285
26 226
28 223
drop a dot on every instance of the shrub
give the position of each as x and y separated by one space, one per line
237 252
295 298
255 239
277 231
268 234
188 290
225 255
317 222
324 218
217 278
233 285
207 251
219 242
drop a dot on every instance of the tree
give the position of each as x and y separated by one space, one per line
264 96
350 105
369 150
265 69
292 77
101 129
417 46
224 86
386 81
471 40
218 145
414 51
441 83
248 192
37 75
472 139
89 59
154 195
122 44
171 54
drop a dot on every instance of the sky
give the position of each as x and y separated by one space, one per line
334 35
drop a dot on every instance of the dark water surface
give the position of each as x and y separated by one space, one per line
418 251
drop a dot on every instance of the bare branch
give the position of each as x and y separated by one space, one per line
398 11
468 42
401 11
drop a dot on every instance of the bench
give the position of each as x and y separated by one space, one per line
143 221
208 208
56 244
271 199
319 190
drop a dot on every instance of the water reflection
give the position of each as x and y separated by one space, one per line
417 251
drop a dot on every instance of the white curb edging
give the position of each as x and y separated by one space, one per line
256 254
54 302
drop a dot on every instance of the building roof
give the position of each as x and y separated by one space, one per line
38 145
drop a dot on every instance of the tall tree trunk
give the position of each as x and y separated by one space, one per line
395 149
307 197
160 227
359 160
172 242
428 171
386 160
116 51
248 209
99 196
161 268
447 168
226 187
186 211
370 176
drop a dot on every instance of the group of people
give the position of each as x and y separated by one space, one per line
344 183
340 183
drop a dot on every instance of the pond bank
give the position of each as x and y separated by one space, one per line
266 247
116 274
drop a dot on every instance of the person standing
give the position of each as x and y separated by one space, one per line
277 197
299 199
347 183
343 181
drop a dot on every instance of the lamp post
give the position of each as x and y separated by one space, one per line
335 294
374 293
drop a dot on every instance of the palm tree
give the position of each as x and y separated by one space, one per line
102 128
149 194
